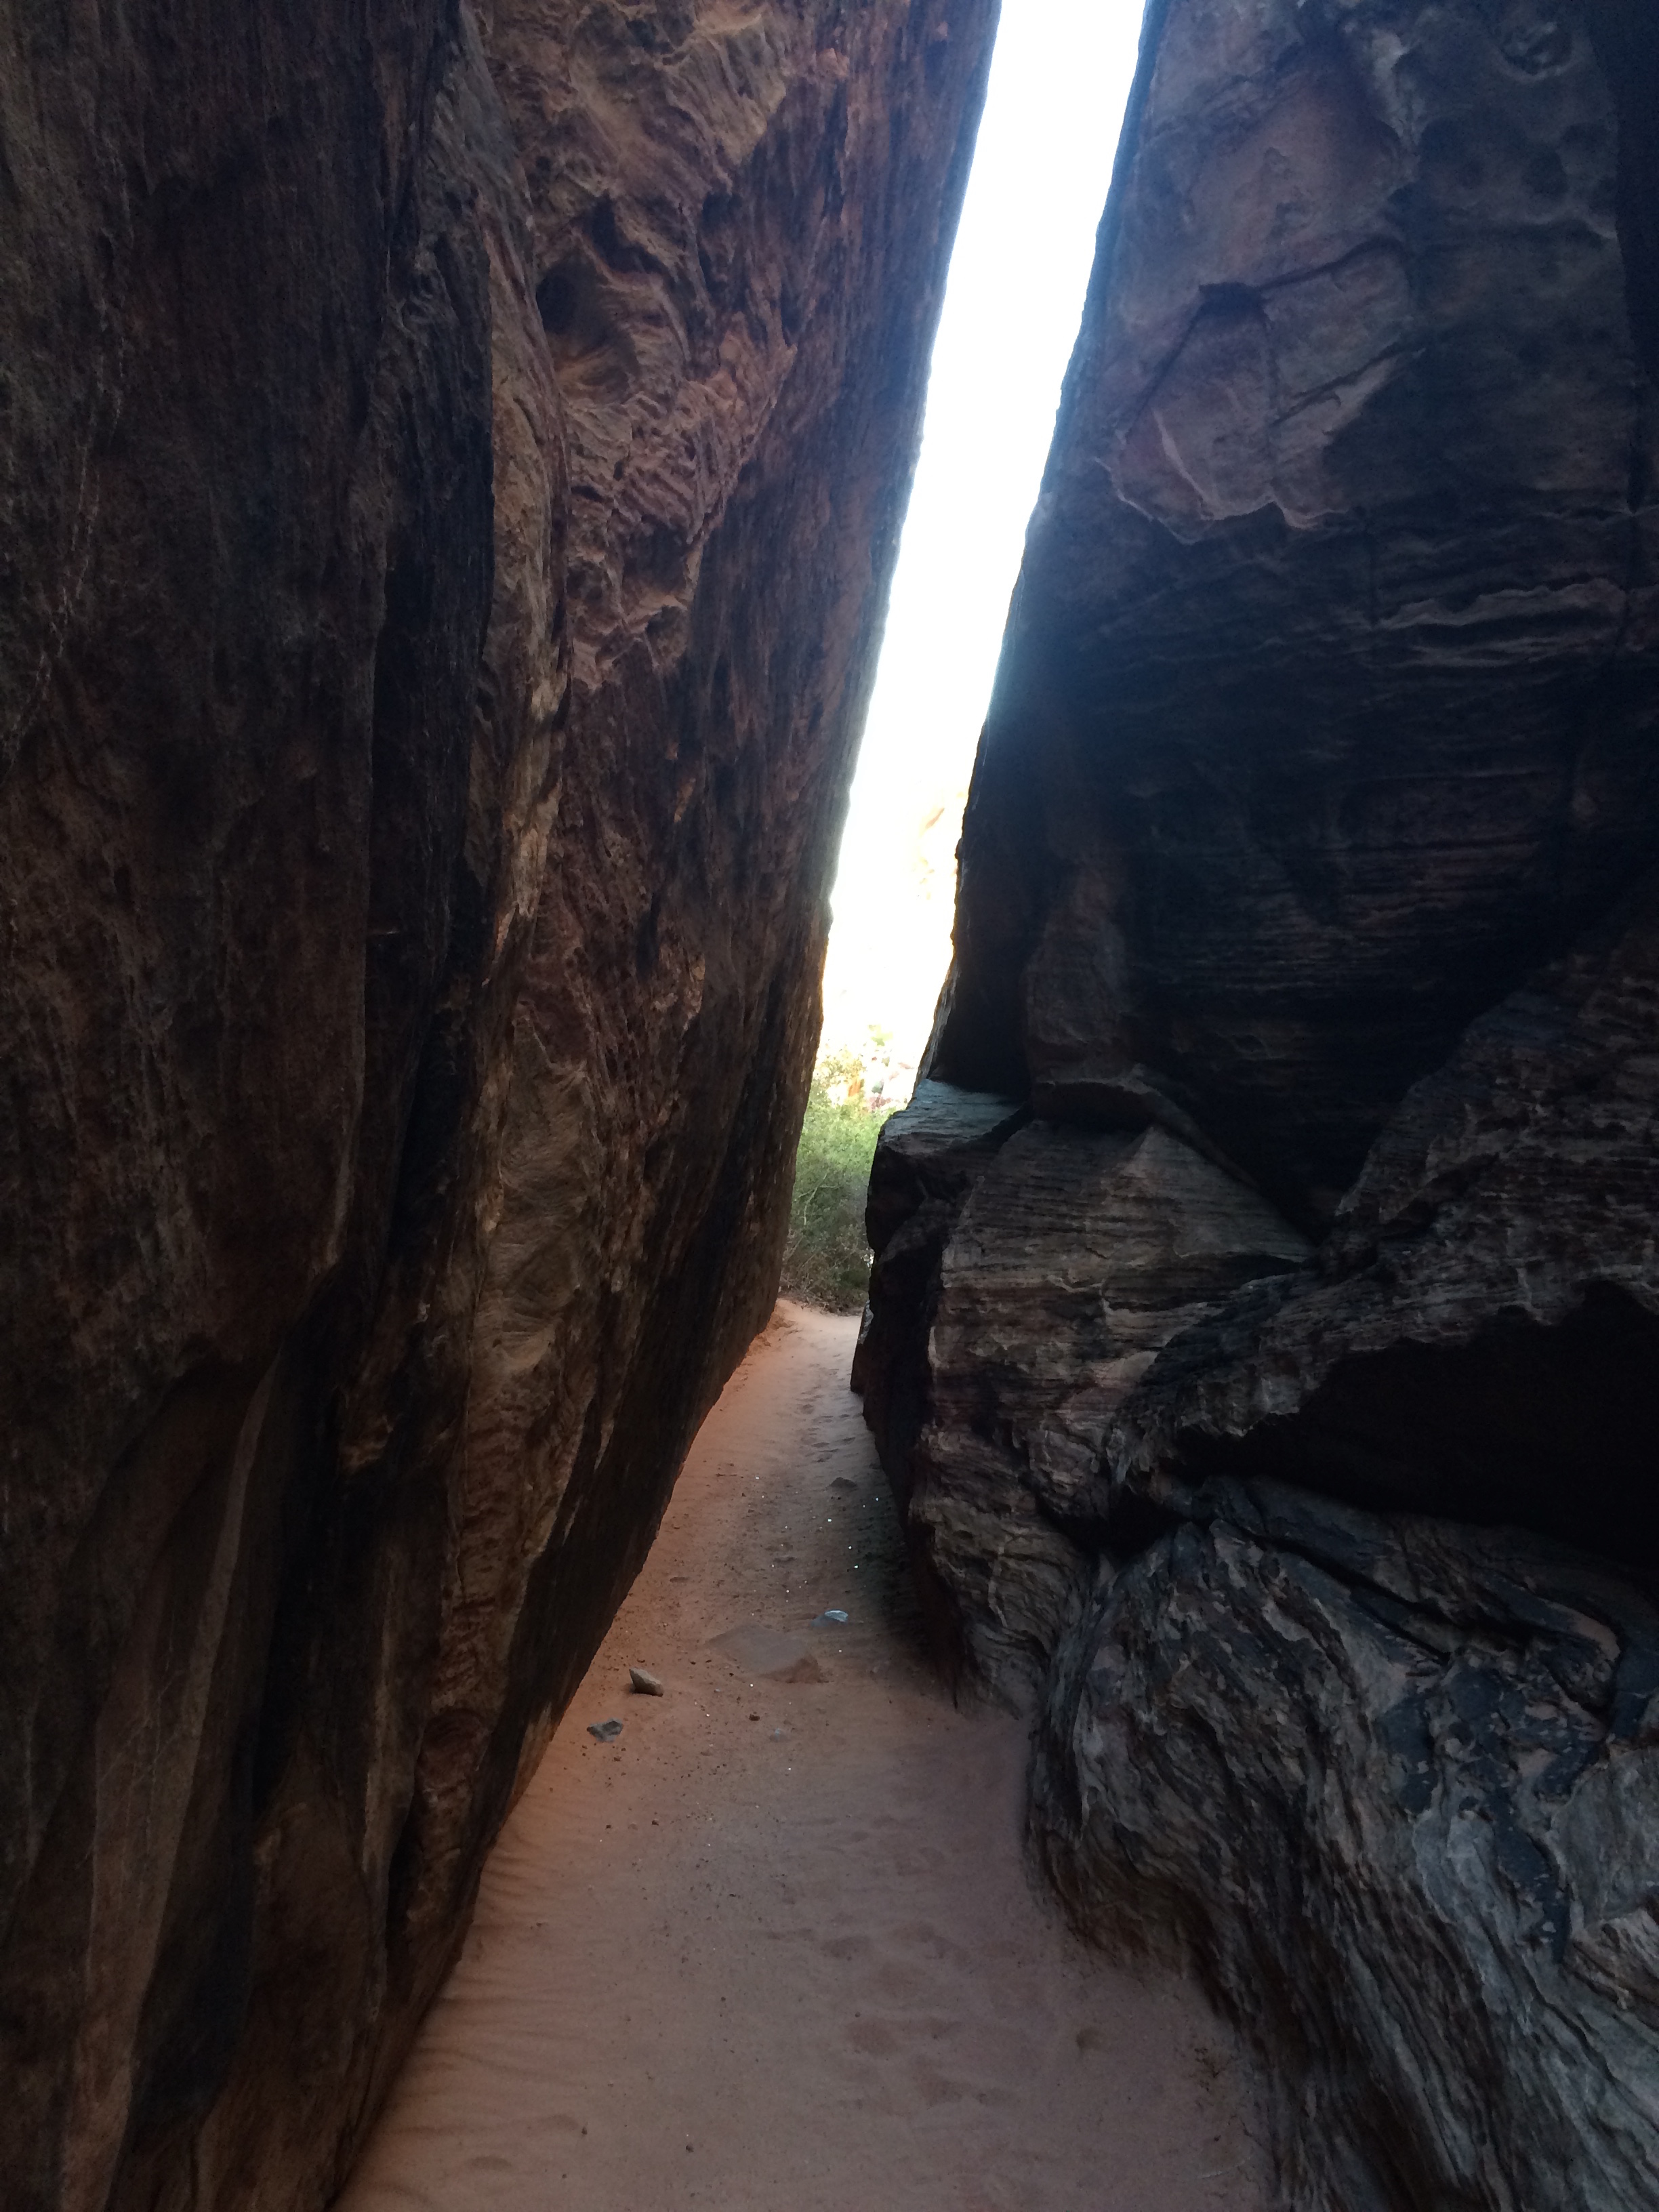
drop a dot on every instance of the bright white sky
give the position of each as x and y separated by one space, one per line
1059 81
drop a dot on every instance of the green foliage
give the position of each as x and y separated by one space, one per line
826 1262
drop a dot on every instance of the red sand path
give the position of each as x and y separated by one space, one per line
776 1950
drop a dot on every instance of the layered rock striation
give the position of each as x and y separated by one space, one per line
1395 1789
1263 1314
450 468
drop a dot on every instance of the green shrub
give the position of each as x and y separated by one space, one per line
826 1262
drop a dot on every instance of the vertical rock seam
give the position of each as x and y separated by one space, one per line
1264 1320
450 466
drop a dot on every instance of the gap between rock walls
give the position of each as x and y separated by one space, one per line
452 467
770 1938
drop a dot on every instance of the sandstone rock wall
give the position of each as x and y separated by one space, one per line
450 468
1263 1313
1395 1789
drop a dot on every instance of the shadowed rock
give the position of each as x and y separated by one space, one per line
1326 709
1305 989
1481 1336
1393 1787
1075 1256
449 477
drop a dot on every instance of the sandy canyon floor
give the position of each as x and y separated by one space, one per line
775 1949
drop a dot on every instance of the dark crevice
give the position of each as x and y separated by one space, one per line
1528 1426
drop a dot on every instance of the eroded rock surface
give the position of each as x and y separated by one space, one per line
1074 1257
1326 710
1305 1007
1481 1337
450 470
1392 1785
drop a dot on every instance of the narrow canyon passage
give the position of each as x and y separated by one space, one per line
773 1949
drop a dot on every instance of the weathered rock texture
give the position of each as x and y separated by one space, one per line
1075 1255
1481 1336
1287 1163
1398 1793
449 472
1327 708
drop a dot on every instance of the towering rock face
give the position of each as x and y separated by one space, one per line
450 470
1277 1224
1326 712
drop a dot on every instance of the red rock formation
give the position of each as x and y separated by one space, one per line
1326 710
1481 1336
1395 1792
1306 893
450 473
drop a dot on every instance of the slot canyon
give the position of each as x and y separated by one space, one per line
452 459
